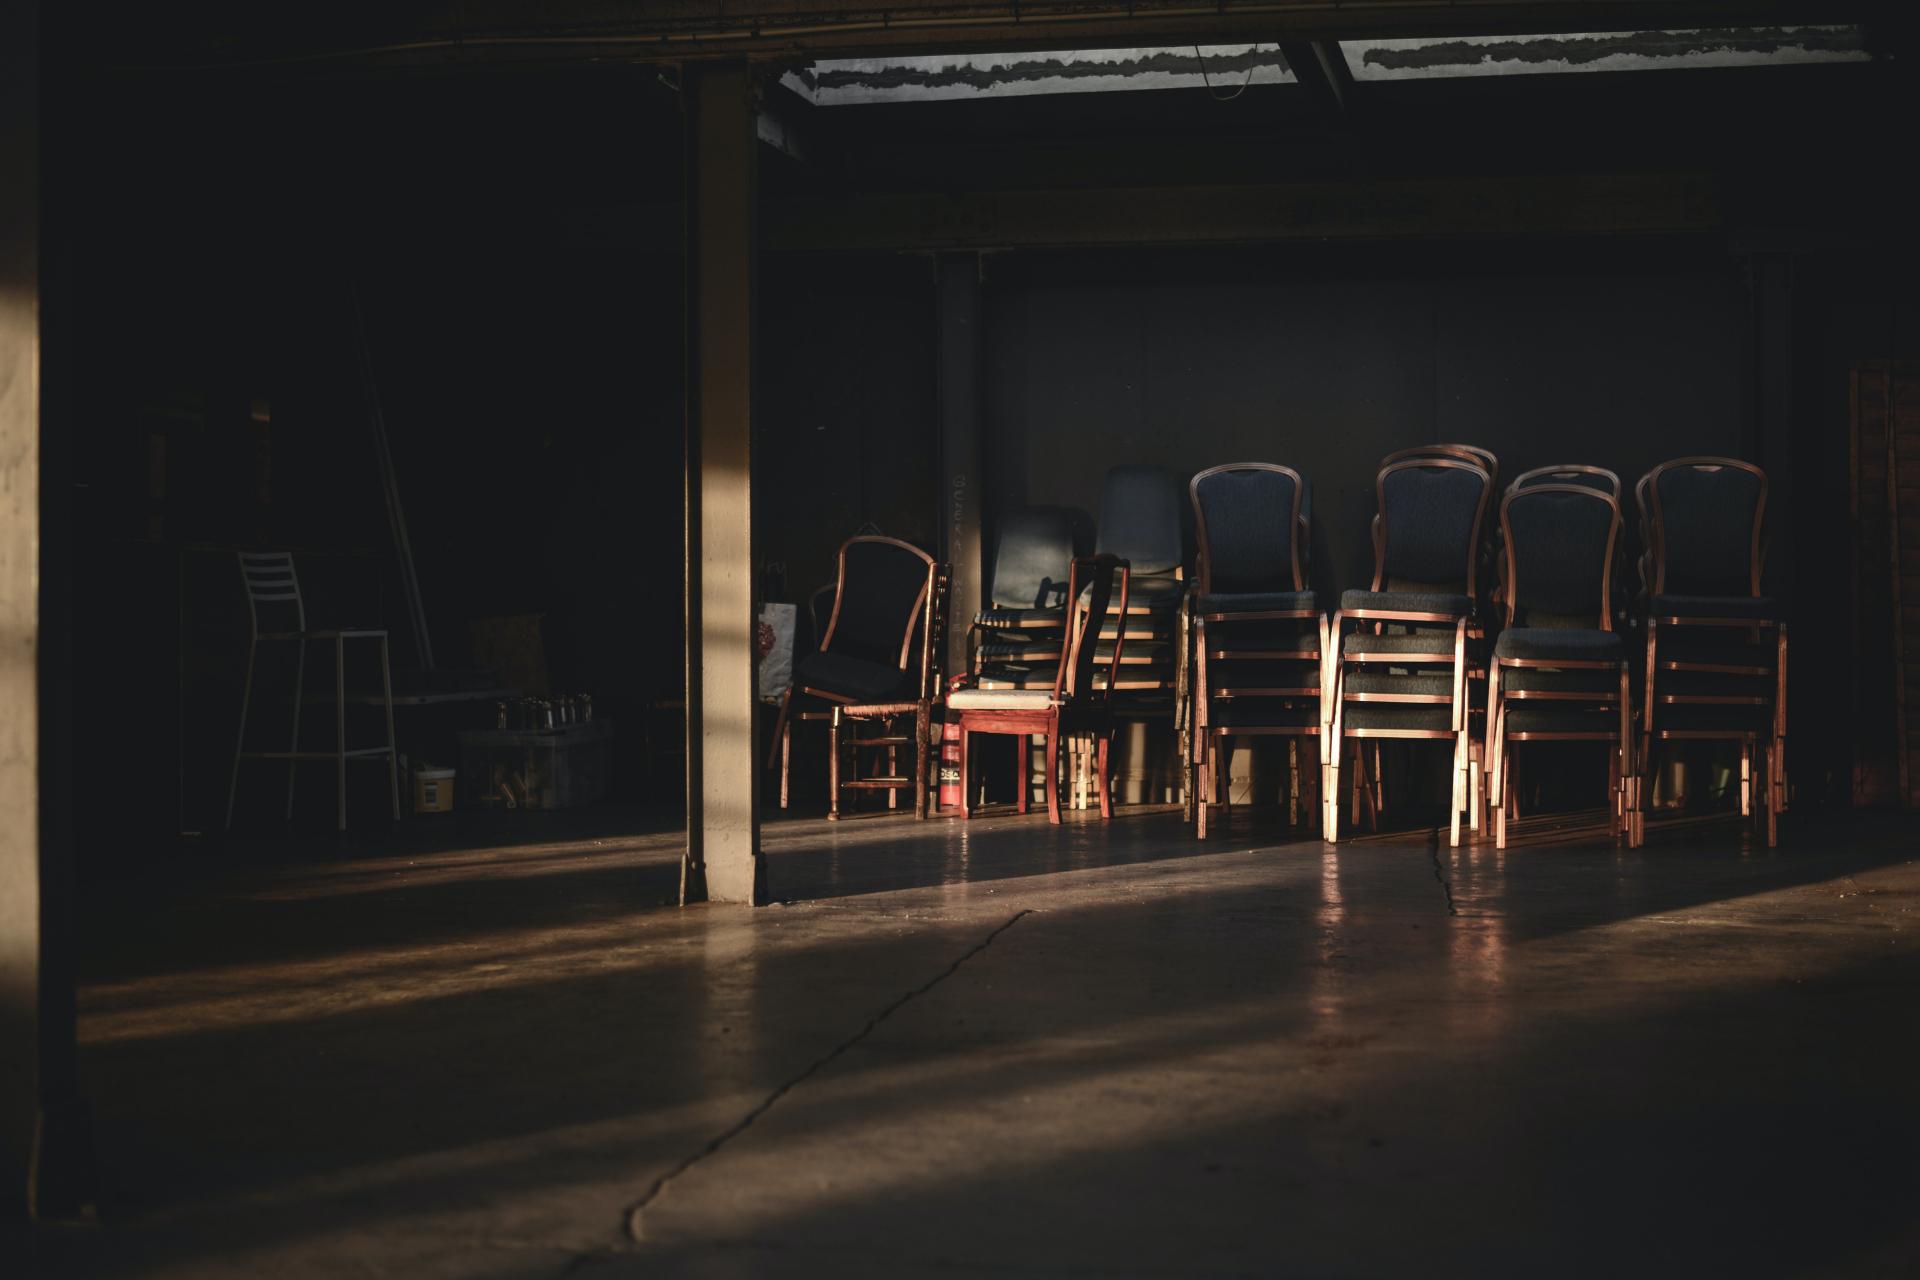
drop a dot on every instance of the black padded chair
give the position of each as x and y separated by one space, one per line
1559 669
878 660
1017 640
1716 648
1259 636
1143 522
1411 683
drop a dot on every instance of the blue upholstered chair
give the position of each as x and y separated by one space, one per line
1716 648
878 660
1559 671
1258 633
1402 672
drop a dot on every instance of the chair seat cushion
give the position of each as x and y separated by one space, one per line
1686 647
1017 676
1423 717
999 618
1546 644
1759 608
1257 602
1453 606
1019 647
854 678
1547 680
1407 686
1260 713
1433 641
1546 717
1000 699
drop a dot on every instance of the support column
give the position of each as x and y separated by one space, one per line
958 294
723 862
19 602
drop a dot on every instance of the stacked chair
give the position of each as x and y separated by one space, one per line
1560 668
1403 671
1079 702
1257 631
1143 521
1018 640
878 663
1716 649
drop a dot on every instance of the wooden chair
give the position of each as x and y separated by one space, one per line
1560 671
878 660
1488 577
1259 637
1716 648
273 587
1017 641
1077 703
1426 554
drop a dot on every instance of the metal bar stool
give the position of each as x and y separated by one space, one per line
272 586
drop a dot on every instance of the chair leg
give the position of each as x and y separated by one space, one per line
1106 779
393 745
1203 793
1476 782
893 764
1022 782
783 744
1379 783
293 738
1053 773
340 725
1458 790
966 778
240 742
1746 779
922 724
833 766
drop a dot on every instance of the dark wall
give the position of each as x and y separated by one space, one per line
1620 355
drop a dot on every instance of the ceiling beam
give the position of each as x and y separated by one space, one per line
1321 67
495 31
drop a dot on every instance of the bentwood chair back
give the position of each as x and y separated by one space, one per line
1716 648
1559 669
1259 636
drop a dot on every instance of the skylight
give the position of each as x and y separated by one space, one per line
1427 59
943 77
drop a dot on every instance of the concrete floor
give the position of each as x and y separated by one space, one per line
1000 1048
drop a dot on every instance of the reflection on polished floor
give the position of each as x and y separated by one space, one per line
1003 1048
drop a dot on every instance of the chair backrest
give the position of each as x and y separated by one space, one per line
1580 473
1465 452
1706 515
1095 575
1560 544
1246 517
880 602
1036 543
1140 519
1431 512
272 585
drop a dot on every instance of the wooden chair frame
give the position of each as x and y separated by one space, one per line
1765 748
1074 706
923 623
1499 737
269 577
1335 695
1208 739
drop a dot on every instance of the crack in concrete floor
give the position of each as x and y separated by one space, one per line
635 1215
